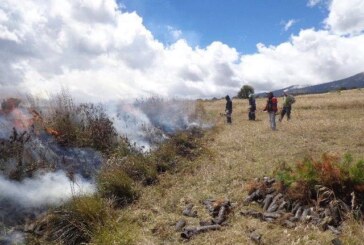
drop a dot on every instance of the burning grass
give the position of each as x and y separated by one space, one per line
83 125
236 154
68 136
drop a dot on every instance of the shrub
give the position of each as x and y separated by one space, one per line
84 125
114 183
356 172
165 157
77 221
305 171
96 128
299 190
328 170
245 91
286 177
342 176
184 145
124 148
139 168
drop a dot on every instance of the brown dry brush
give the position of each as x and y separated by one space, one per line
77 221
185 145
13 148
344 176
323 192
84 125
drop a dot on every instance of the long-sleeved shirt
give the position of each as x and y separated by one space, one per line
229 106
272 105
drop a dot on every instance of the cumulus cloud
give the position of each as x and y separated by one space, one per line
101 52
310 57
346 17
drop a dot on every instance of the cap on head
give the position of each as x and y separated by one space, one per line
227 97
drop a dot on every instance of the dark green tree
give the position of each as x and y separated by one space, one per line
245 91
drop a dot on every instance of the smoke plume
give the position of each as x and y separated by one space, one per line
52 188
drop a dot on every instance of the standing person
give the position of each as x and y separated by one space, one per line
252 107
228 108
272 107
288 100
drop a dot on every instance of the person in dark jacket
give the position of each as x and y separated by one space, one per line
228 109
252 107
272 107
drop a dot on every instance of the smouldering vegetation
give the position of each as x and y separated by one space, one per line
141 195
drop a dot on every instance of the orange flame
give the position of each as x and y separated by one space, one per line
53 132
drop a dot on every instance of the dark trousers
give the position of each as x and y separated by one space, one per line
228 117
286 110
251 114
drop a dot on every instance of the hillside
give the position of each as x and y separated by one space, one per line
237 153
356 81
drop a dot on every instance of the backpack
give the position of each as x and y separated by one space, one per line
290 99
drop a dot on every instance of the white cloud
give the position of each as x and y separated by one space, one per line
289 24
174 33
312 3
346 17
100 52
311 57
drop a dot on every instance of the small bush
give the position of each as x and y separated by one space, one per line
356 172
84 125
183 145
77 221
165 157
343 176
299 190
328 170
305 171
114 183
139 168
124 148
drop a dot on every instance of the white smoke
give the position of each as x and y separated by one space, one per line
52 188
147 122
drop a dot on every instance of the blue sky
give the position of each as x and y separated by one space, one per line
239 23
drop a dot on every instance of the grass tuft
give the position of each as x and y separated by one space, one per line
78 220
114 183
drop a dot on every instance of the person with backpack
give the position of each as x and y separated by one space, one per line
228 109
252 107
272 107
288 100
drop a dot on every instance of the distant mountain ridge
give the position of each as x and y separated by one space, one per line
356 81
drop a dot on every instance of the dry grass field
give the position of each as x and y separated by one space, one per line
323 123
